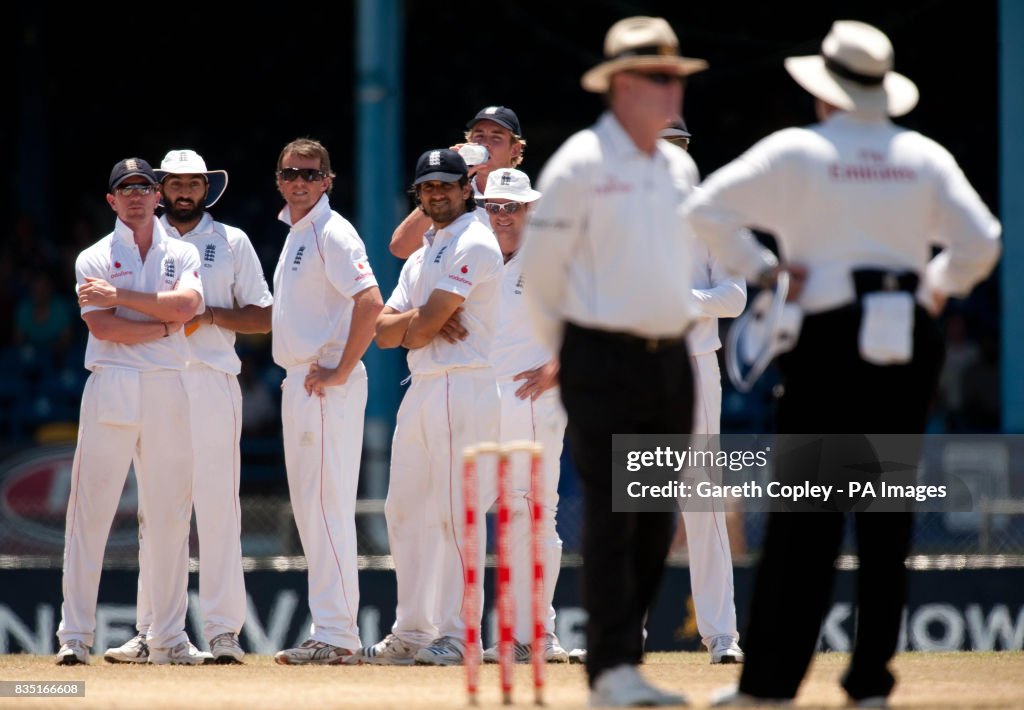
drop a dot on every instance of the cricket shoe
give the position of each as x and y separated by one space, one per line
392 651
184 654
317 653
578 655
724 649
443 651
135 650
226 649
523 652
73 653
624 687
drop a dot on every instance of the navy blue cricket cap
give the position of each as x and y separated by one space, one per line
128 167
504 117
676 129
441 164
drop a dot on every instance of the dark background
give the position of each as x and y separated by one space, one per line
94 84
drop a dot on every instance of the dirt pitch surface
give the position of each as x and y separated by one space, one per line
927 680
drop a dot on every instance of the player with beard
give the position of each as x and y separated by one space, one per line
444 311
237 301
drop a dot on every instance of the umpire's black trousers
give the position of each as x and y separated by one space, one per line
612 384
829 389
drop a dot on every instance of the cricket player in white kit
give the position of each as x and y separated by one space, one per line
448 288
326 304
135 405
237 300
531 410
717 295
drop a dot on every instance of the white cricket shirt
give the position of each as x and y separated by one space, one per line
322 266
170 264
717 294
462 258
850 192
232 278
605 247
516 348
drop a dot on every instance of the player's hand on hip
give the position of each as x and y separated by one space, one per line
453 331
936 302
797 279
537 381
97 292
319 378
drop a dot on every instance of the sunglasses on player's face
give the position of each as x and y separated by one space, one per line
143 189
307 174
509 208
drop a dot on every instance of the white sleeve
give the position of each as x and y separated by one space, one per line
748 192
345 260
555 226
250 287
85 265
471 263
964 225
726 296
400 299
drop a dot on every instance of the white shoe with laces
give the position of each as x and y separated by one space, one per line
184 654
624 687
73 653
523 652
134 650
443 651
226 649
317 653
392 651
724 649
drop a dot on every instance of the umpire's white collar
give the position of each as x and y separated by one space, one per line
620 146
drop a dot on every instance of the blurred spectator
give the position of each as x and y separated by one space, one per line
260 410
981 388
42 324
961 354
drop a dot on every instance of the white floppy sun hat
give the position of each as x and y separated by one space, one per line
854 72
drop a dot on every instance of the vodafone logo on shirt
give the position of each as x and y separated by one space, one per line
456 277
364 269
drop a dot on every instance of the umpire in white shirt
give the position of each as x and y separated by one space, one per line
856 203
607 260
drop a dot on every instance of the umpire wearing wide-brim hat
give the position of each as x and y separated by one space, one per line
640 43
189 162
856 204
854 72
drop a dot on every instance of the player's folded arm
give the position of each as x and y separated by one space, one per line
104 324
431 317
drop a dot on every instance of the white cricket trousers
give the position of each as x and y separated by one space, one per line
706 536
216 432
542 421
323 443
129 414
439 416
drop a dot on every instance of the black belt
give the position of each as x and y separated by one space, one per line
871 280
651 345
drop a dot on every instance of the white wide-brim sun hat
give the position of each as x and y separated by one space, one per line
640 43
189 162
854 72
